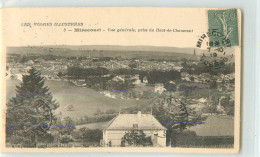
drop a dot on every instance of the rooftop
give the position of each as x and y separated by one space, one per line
137 121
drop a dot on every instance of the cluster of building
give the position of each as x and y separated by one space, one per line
206 77
117 127
50 68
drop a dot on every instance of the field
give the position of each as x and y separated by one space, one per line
84 100
216 132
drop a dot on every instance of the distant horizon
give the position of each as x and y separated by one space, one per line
116 48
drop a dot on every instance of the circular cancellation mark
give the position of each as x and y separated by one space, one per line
215 55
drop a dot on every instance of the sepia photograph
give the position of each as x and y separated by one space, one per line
117 96
97 95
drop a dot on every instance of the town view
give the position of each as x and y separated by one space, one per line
116 96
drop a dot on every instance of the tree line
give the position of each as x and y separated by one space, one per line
153 76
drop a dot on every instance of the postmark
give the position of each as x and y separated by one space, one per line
215 56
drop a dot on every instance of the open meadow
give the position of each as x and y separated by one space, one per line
85 101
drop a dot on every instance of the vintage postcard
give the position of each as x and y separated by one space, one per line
120 80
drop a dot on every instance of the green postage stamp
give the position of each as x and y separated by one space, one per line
223 28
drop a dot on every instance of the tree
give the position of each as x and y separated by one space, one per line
111 111
59 74
68 126
230 109
187 89
88 135
75 72
192 78
136 138
173 114
170 86
156 76
66 139
142 74
209 109
70 108
23 59
228 104
184 63
98 112
133 65
214 98
29 114
213 84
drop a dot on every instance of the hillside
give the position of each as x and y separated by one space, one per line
148 52
138 52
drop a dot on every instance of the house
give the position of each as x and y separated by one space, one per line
159 88
118 78
30 62
136 79
117 127
145 80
